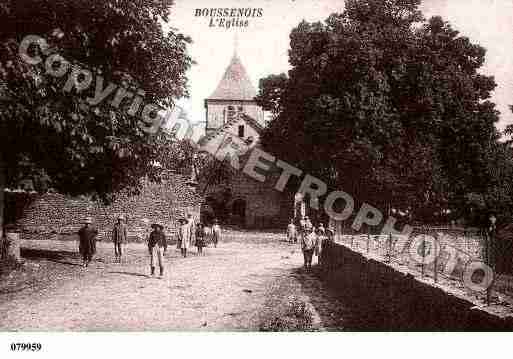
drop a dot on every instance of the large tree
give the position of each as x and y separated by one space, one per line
386 105
84 146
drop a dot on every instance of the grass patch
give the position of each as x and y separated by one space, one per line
293 314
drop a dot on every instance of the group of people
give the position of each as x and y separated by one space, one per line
313 240
189 234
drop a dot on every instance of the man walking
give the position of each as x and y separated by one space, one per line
87 241
308 245
119 237
157 246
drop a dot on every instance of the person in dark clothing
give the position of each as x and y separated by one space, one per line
200 238
87 241
157 246
119 237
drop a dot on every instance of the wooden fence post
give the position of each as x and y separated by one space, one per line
389 247
423 253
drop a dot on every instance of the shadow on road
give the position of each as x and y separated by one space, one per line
61 257
131 273
333 313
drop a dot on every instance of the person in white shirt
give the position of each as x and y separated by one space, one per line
321 236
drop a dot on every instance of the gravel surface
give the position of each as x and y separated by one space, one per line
243 284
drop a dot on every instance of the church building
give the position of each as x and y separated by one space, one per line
232 112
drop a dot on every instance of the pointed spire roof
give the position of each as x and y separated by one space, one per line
235 84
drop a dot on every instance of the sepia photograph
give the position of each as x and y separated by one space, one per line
255 166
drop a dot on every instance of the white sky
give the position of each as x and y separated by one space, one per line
263 45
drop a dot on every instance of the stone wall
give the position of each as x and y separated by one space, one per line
54 215
394 300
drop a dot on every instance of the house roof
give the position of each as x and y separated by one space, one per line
235 84
241 116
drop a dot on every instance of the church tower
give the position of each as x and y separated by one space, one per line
234 94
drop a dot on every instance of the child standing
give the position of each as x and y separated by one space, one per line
216 233
185 236
200 238
291 232
308 245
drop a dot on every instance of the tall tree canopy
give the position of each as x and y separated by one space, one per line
386 105
82 146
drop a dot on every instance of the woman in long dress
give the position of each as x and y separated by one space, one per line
185 235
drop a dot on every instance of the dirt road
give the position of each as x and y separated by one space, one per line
250 282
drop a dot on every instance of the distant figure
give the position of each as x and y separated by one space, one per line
302 224
192 223
492 226
308 224
308 245
119 237
326 253
321 229
207 234
291 232
321 236
185 236
87 241
157 246
200 238
216 233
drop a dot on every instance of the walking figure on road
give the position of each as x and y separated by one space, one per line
87 241
119 237
216 233
291 232
157 246
184 236
200 238
308 245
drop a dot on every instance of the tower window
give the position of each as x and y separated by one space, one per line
241 131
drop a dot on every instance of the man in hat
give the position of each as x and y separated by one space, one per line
87 241
119 237
216 233
157 246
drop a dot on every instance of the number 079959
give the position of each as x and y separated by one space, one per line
26 347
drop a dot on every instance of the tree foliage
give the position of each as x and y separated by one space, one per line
83 148
386 105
